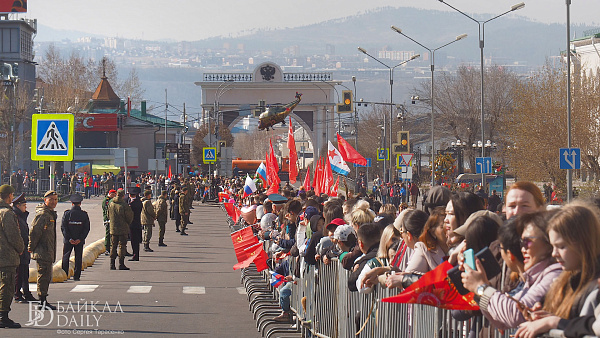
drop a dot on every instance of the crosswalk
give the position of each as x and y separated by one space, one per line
138 289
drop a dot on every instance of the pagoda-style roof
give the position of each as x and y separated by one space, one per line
104 96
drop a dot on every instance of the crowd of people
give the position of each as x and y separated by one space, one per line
551 253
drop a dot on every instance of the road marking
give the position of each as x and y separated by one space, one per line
242 290
84 288
194 290
139 289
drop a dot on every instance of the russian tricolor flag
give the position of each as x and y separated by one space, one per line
249 187
335 160
262 171
276 279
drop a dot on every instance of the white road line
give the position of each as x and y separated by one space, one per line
194 290
242 290
139 289
84 288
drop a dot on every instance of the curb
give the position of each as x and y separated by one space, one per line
90 253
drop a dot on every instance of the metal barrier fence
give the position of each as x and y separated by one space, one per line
325 307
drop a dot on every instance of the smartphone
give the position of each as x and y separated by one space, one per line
490 264
455 277
521 305
469 255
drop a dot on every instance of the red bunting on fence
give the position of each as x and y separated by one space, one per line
255 254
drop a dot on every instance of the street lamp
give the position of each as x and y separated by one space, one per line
432 65
481 25
569 172
391 69
459 147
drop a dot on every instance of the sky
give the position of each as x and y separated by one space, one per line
189 20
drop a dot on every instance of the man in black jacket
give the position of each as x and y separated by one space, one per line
75 227
22 293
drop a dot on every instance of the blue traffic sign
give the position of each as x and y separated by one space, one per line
483 165
363 166
383 154
570 158
209 155
52 137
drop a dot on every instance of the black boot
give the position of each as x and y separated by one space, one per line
29 297
161 243
147 248
122 264
45 305
112 264
6 322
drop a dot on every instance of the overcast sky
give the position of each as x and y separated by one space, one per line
199 19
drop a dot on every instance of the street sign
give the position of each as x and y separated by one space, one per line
570 158
183 151
52 137
483 165
403 160
209 155
171 147
406 173
383 154
183 158
132 157
41 165
156 164
364 166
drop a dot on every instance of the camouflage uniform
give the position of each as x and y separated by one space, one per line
148 217
160 208
11 246
42 245
120 216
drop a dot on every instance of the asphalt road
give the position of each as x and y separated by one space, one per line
187 289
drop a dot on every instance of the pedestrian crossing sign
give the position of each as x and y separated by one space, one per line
52 137
209 155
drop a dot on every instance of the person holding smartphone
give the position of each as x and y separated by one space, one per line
537 271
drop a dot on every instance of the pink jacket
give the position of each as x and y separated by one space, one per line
502 312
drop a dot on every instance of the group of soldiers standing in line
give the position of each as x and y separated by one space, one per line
133 218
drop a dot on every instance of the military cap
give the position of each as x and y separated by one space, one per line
147 192
135 190
76 198
50 193
6 189
121 192
19 199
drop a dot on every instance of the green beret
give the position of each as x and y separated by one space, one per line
6 189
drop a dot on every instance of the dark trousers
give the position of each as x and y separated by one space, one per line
107 236
22 280
67 248
135 235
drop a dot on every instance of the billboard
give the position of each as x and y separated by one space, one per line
12 6
96 122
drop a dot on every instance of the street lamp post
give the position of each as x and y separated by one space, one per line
459 147
432 66
481 25
391 70
569 171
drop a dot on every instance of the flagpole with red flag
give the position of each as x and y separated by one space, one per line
306 184
327 177
272 172
348 153
291 144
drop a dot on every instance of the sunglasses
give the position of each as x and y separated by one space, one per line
527 241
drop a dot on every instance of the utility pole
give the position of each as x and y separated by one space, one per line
165 154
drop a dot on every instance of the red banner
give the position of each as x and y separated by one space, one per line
11 6
95 122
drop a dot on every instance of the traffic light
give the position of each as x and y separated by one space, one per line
221 144
404 142
346 105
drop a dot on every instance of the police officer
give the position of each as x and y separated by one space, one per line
135 227
11 246
42 244
75 227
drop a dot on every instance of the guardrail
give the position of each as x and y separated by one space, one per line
324 307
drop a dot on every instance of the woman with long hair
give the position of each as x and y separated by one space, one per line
574 232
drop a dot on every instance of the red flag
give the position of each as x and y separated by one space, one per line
334 191
243 239
170 175
254 254
327 177
232 211
307 180
272 172
291 144
435 289
348 153
318 177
